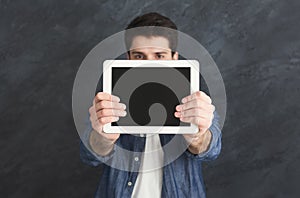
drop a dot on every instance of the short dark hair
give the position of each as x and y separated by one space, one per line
151 21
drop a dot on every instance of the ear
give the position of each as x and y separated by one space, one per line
175 56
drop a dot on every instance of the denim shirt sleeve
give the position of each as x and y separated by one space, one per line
87 155
215 144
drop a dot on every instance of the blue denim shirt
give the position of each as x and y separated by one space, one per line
181 178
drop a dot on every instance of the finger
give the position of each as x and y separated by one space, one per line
94 120
105 96
191 104
111 112
110 105
195 112
197 95
105 120
96 125
92 112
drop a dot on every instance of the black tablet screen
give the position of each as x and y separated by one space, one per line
150 94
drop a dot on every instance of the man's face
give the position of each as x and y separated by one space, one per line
151 48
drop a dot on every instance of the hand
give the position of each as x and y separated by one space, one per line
196 109
106 108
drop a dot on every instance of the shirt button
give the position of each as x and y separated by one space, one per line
129 183
136 159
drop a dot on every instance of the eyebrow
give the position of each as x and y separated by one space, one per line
136 52
160 52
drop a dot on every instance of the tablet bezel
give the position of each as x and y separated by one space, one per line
107 87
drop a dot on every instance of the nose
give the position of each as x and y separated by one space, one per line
150 57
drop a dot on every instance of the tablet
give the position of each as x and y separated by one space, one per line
150 89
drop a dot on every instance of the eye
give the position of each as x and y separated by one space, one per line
138 56
159 56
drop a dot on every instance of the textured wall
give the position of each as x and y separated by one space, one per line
256 45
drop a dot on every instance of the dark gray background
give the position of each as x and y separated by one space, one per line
255 44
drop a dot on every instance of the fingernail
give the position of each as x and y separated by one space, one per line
183 100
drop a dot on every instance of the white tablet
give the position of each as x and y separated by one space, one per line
151 90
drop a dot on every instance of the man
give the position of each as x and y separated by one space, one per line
183 176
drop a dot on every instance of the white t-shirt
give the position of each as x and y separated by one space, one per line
149 180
